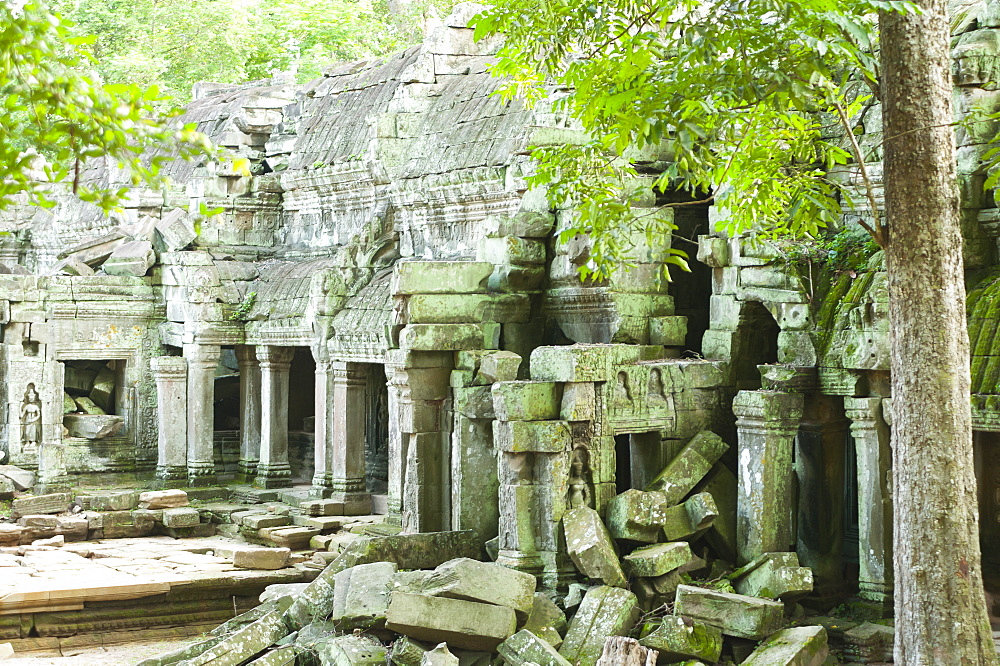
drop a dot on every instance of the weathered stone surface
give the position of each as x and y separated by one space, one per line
174 231
245 643
407 652
261 520
163 499
625 651
735 614
795 646
449 337
283 655
352 651
181 517
114 501
605 611
87 406
281 590
526 401
637 515
531 436
546 620
679 638
261 558
525 648
361 595
657 560
498 366
590 547
697 513
440 277
23 479
133 258
93 426
689 466
471 580
52 503
439 656
462 624
774 576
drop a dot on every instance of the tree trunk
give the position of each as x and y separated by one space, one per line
940 606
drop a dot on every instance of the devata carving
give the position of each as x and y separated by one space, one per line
31 418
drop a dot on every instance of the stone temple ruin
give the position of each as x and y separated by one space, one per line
369 363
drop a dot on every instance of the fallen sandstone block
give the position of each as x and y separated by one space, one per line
163 499
795 646
637 515
361 595
590 547
472 580
689 466
678 638
407 652
439 656
697 513
735 614
462 624
605 611
657 560
352 650
774 576
525 648
114 501
182 517
245 643
261 558
41 504
546 620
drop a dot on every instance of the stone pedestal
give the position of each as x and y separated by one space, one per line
273 470
767 423
819 465
202 361
322 480
170 373
347 450
874 459
246 356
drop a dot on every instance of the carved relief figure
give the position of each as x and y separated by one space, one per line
579 470
31 417
624 392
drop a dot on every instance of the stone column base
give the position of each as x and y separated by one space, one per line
166 474
201 474
273 475
355 504
246 471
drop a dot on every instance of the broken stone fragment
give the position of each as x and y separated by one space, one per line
95 251
69 404
351 650
526 401
280 591
163 499
114 501
625 651
697 513
361 595
93 426
174 231
462 624
472 580
774 576
440 277
71 266
721 536
87 406
546 620
439 656
679 638
657 560
261 558
23 479
795 646
41 504
280 656
637 515
735 614
525 648
410 581
245 643
689 466
498 366
133 258
590 547
605 611
407 652
102 393
181 517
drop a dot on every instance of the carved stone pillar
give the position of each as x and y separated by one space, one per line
273 470
246 357
398 398
766 423
170 373
874 455
322 480
347 453
202 361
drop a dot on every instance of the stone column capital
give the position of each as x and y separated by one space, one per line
770 409
203 355
273 357
246 355
167 368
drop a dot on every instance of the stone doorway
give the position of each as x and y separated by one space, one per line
756 344
986 446
639 457
377 431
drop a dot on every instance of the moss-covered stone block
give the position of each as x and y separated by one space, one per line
526 401
532 436
689 466
795 646
546 620
485 582
668 331
605 611
774 576
590 547
657 560
735 614
637 515
462 624
440 277
525 648
449 337
695 515
678 638
587 363
511 250
467 308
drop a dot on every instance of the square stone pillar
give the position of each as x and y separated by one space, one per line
170 373
273 470
819 465
349 382
246 357
874 458
322 480
767 423
202 361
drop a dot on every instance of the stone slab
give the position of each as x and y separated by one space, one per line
462 624
735 614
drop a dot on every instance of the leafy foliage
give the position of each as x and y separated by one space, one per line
734 97
55 116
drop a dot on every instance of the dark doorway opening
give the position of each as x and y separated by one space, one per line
756 344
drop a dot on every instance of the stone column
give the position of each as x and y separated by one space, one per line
273 470
819 465
766 423
398 398
347 450
202 361
874 457
246 356
322 480
170 373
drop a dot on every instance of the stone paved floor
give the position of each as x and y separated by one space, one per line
125 654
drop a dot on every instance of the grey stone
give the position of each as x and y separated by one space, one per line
163 499
93 426
546 620
87 406
174 231
657 560
605 611
352 651
23 479
51 503
114 501
439 656
774 576
361 595
637 515
246 642
471 580
795 646
696 514
590 547
407 652
689 466
735 614
133 258
677 638
525 648
181 517
462 624
258 558
280 591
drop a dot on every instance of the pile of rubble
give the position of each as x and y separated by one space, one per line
428 600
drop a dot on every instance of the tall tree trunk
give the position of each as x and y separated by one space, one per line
940 607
